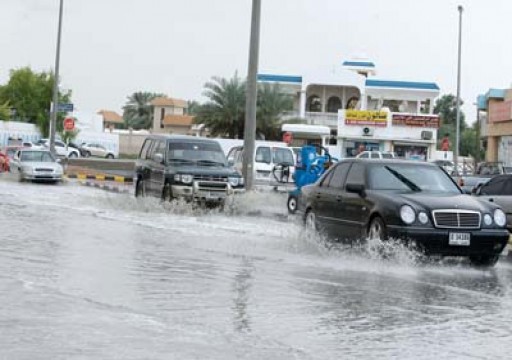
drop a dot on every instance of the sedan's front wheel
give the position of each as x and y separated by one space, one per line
484 260
377 229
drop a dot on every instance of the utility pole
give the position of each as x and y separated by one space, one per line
251 97
457 130
55 102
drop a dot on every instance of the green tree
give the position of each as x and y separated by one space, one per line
5 111
446 108
193 107
224 112
30 93
272 102
138 111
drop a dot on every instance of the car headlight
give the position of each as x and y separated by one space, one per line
407 214
423 217
184 178
233 181
500 218
487 220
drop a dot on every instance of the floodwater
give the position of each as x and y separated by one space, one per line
87 274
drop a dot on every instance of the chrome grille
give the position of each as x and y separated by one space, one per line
458 219
43 170
210 178
212 186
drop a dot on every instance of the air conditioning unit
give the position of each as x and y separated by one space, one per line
367 131
426 135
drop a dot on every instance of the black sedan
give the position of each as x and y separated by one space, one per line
411 201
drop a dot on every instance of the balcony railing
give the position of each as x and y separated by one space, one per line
313 118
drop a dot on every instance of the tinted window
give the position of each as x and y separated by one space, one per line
408 177
375 155
282 156
263 155
145 149
339 175
501 185
324 180
364 156
387 156
356 174
196 151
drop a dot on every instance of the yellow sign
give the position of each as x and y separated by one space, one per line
365 117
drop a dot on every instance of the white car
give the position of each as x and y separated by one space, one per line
36 165
60 148
96 150
377 155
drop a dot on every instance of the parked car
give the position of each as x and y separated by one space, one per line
171 166
4 162
96 150
498 190
60 148
413 201
269 160
36 165
376 155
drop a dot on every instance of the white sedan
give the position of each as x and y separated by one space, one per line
96 150
36 165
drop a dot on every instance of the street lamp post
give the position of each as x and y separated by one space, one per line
55 102
457 130
251 96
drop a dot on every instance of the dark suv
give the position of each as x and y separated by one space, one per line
171 166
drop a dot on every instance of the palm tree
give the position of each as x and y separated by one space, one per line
224 112
272 103
138 112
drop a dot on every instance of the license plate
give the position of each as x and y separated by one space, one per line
459 239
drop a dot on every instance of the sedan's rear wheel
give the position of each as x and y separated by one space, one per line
484 260
110 156
292 204
377 229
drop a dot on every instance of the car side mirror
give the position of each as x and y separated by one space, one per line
159 158
355 188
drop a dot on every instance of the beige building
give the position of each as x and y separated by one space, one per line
111 119
171 116
495 116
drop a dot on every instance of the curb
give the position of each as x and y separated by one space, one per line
100 177
107 187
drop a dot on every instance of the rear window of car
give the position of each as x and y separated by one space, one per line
387 156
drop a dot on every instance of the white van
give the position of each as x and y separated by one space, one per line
268 160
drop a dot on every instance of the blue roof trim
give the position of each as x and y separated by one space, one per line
481 101
402 84
359 63
496 94
280 78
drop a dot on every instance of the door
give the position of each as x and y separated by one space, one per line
156 168
263 164
333 202
143 166
354 205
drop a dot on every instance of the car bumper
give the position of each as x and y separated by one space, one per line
198 191
45 177
436 241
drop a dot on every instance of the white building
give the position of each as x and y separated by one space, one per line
407 126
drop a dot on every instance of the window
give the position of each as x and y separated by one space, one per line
501 185
352 103
365 155
159 148
314 104
283 156
145 148
356 174
36 156
375 155
324 181
387 156
196 151
333 104
339 175
263 155
162 115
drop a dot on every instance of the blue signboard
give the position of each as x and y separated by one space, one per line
65 108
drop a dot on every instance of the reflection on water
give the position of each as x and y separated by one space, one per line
241 289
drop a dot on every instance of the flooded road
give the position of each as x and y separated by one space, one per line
87 274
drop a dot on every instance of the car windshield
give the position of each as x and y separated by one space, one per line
410 177
36 156
200 153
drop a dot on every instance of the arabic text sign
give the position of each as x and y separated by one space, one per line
429 121
365 118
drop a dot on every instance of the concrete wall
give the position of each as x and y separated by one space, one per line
130 144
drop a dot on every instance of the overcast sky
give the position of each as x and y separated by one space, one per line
111 48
